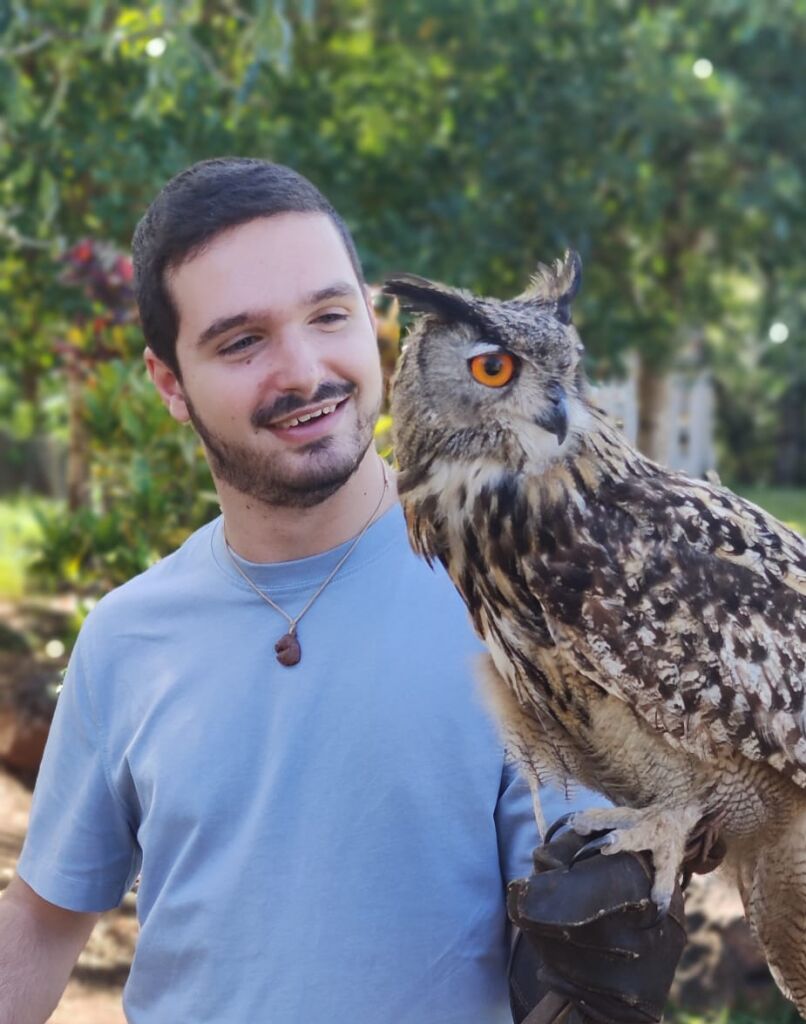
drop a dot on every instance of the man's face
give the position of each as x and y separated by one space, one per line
280 369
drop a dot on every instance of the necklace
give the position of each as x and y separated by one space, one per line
287 648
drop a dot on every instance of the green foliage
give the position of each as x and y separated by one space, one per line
150 487
761 385
462 140
20 536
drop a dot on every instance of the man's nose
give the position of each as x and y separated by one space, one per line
295 363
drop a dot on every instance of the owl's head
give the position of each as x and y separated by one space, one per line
483 379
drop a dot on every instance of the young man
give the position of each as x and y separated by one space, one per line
276 726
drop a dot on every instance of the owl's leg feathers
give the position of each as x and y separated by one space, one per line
662 832
773 888
542 750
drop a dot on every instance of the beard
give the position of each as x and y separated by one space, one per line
323 466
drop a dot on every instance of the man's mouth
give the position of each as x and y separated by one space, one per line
306 416
299 419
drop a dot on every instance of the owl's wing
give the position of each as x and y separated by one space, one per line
690 604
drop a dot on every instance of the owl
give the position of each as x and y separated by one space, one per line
646 631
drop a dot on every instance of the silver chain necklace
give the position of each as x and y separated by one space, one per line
287 648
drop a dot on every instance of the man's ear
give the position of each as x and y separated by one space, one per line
373 319
168 385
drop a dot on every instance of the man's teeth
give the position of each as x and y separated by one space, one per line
310 416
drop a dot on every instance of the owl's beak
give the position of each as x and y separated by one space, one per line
554 418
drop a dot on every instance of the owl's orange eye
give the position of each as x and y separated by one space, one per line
493 369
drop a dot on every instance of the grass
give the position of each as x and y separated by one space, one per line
786 503
19 534
781 1013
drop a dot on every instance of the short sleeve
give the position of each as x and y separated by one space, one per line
516 822
80 851
554 801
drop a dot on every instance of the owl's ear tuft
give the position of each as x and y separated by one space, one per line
423 296
557 285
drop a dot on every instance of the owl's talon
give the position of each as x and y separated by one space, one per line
590 849
561 822
661 912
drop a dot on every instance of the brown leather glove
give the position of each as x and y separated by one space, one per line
603 954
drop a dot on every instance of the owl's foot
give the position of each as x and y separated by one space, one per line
705 847
663 833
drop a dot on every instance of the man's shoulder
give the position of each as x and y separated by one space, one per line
428 580
424 597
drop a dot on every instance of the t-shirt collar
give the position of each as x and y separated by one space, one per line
310 571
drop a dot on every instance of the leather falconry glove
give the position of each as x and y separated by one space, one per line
602 953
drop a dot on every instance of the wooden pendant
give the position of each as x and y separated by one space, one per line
288 650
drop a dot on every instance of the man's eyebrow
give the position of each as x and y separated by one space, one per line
337 290
221 326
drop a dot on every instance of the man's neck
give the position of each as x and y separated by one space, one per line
268 533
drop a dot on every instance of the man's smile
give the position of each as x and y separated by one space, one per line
309 422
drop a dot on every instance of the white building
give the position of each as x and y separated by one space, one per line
686 433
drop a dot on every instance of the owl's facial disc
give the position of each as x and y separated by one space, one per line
489 381
495 367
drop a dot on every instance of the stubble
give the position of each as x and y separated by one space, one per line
320 468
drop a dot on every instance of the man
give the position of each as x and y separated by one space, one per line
274 727
320 840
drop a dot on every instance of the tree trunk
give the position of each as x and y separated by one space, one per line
651 404
790 459
78 467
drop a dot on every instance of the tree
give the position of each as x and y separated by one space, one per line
463 140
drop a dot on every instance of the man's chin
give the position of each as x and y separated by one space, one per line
300 478
290 486
305 494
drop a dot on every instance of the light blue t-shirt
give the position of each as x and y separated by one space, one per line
323 843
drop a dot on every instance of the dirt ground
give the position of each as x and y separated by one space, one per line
93 995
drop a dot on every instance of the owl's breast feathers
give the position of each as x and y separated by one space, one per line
678 597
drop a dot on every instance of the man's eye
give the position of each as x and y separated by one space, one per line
330 318
239 345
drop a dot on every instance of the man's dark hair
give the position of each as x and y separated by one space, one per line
195 206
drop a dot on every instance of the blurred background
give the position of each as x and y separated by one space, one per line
461 139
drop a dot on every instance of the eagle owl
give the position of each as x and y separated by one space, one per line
646 631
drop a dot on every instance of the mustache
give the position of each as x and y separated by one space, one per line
287 405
